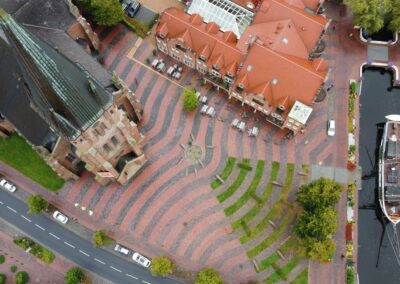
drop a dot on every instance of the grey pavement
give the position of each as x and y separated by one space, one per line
80 251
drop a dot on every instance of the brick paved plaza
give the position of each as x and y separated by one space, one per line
169 207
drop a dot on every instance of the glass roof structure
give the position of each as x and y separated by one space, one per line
228 15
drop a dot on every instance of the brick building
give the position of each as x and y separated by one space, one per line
73 120
262 53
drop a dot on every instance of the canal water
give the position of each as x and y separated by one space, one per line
377 100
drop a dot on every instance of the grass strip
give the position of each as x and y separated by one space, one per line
274 257
281 273
235 185
252 188
17 153
230 164
302 278
287 219
276 209
265 196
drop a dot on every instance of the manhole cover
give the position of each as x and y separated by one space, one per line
193 153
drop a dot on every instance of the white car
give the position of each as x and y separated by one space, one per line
122 249
211 112
60 217
253 132
7 185
331 128
140 259
203 109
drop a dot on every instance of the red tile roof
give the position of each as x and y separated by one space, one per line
280 77
309 26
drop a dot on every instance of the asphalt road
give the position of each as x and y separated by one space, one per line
59 239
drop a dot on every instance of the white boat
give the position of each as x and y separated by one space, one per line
389 169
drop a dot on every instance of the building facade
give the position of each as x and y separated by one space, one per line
269 61
91 126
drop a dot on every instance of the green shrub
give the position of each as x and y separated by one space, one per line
2 259
208 276
21 277
161 266
245 228
350 277
13 268
3 278
100 238
37 204
137 27
190 101
36 249
353 87
106 12
244 166
74 275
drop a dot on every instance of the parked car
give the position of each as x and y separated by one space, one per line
170 71
235 123
133 8
7 185
331 128
125 4
60 217
241 126
140 259
176 75
122 249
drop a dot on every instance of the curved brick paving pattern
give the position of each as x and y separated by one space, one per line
177 214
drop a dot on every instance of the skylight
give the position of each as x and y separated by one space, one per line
228 15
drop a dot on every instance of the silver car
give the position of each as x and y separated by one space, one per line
7 185
140 259
122 249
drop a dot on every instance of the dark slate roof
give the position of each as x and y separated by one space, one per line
64 94
14 103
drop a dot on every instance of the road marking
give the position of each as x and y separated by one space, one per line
146 282
82 252
54 236
69 245
1 202
98 260
26 218
131 276
112 267
41 228
12 209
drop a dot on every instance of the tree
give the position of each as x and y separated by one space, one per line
3 278
37 204
106 12
83 4
190 101
161 266
21 277
100 238
394 22
318 225
74 275
370 15
208 276
319 194
321 250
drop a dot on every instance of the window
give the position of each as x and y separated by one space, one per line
107 148
229 74
180 47
239 88
216 67
114 140
214 73
202 57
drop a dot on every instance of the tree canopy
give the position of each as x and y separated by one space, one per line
319 194
161 266
373 15
3 278
36 204
190 101
21 277
319 225
100 238
106 12
208 276
75 275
